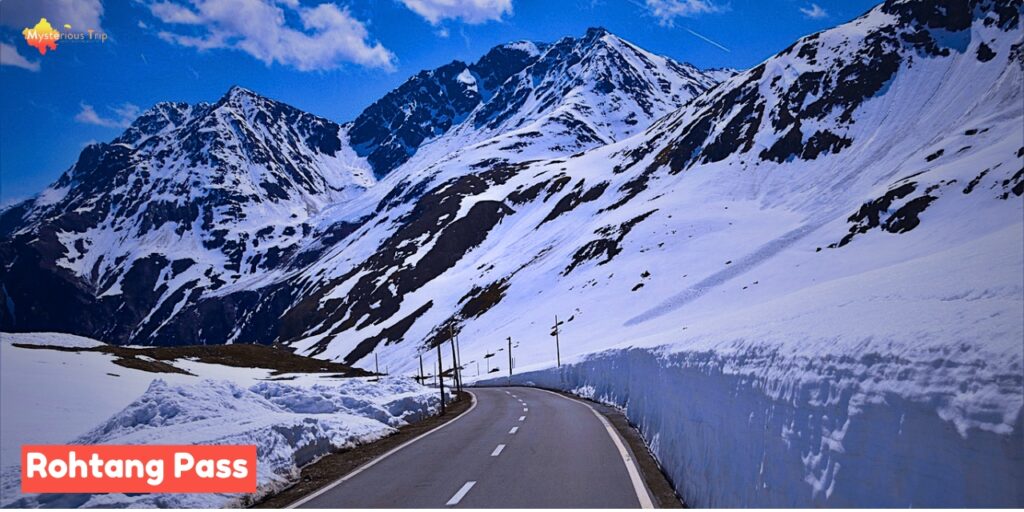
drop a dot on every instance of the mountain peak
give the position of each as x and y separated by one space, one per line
238 95
238 90
595 32
531 48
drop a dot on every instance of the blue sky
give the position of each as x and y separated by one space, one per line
329 58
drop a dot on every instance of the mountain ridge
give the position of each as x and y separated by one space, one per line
193 200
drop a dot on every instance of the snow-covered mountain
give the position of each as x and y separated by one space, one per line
429 104
575 94
207 200
187 199
844 137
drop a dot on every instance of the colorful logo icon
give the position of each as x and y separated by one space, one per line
42 36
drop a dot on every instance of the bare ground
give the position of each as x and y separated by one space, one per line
162 359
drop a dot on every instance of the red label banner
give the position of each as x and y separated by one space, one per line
138 468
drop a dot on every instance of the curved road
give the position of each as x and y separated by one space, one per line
515 448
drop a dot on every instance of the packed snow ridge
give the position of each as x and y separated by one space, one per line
292 422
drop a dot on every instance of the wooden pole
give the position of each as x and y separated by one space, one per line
558 350
510 359
440 376
458 349
455 360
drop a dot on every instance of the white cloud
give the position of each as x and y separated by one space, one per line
80 14
9 56
173 13
469 11
814 12
328 35
668 10
123 115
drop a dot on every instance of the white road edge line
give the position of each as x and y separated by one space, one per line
373 462
461 494
634 472
514 430
497 451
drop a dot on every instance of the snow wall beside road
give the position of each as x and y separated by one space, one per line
753 430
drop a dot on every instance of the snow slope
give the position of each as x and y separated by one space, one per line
892 387
819 262
58 397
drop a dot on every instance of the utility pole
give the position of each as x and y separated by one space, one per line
510 359
422 378
376 367
440 376
455 360
458 349
558 350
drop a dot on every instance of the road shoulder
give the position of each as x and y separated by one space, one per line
336 465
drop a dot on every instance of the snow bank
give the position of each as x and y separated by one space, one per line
730 438
291 425
53 339
895 387
57 396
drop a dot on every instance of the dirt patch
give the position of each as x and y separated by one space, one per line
147 365
338 464
161 359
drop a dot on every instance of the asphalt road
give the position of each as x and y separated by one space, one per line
516 448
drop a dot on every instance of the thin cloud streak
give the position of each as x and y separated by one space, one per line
707 39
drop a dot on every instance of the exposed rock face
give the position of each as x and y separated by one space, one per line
197 223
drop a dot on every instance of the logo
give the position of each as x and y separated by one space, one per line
138 468
44 37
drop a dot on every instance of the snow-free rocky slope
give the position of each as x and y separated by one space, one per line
805 284
171 233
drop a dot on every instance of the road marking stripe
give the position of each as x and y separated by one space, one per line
521 418
382 457
497 451
461 494
526 409
634 473
514 430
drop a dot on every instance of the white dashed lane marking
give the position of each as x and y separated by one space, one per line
461 494
497 451
521 418
514 430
